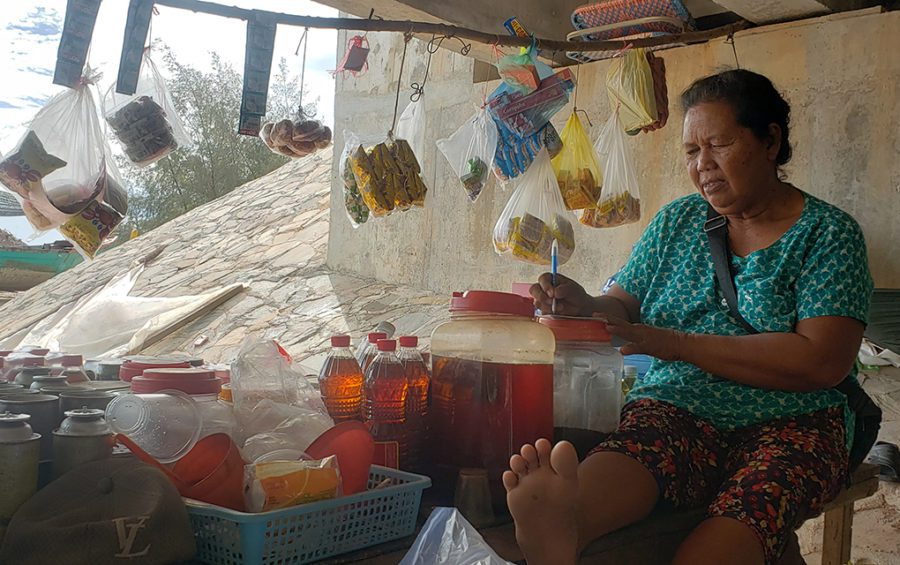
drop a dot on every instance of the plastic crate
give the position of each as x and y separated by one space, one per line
314 531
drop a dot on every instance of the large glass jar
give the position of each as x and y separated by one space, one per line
587 381
492 385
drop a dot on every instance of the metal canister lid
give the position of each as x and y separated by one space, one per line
83 422
14 428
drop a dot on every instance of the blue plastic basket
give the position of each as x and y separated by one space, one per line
314 531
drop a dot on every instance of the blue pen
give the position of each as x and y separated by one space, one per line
554 266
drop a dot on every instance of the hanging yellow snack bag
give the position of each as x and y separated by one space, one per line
577 168
629 83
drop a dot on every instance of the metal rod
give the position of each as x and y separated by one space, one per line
447 29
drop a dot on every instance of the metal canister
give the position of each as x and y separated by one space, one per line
44 412
84 436
47 381
108 369
26 375
80 398
19 455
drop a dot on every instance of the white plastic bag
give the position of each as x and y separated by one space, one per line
354 204
535 216
448 538
411 127
620 201
59 167
145 123
470 151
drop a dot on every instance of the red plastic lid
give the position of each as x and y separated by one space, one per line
32 361
374 337
387 345
492 302
188 381
354 447
409 341
340 341
39 352
576 330
5 353
71 361
137 365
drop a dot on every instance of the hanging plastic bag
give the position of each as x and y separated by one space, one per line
354 205
620 202
92 227
470 151
59 166
577 169
629 83
534 217
519 71
388 176
145 123
447 538
411 127
295 138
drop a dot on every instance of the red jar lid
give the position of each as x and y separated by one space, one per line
492 302
5 353
40 352
409 341
374 337
340 341
566 329
387 345
188 381
136 365
71 361
32 361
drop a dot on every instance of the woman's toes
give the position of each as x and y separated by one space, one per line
564 460
510 480
543 447
529 453
518 465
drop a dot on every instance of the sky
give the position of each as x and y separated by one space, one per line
29 37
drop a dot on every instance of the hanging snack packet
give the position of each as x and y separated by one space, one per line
388 176
620 202
470 151
519 71
297 138
145 123
577 169
629 83
534 217
91 227
272 485
355 206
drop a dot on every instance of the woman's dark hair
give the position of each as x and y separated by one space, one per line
755 101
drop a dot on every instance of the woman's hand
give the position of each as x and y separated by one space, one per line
661 343
571 298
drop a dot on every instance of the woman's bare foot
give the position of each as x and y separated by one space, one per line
542 494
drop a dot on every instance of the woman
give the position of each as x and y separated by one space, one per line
747 426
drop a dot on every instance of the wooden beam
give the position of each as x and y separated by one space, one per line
447 29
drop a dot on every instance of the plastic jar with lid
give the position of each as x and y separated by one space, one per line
587 381
72 366
203 387
492 385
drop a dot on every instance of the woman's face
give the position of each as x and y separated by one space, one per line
728 164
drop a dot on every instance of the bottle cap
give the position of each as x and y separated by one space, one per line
409 341
387 345
374 337
340 341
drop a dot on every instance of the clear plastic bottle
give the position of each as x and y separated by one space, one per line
370 351
385 406
341 382
417 381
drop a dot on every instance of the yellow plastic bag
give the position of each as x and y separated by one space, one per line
577 168
620 202
273 485
629 83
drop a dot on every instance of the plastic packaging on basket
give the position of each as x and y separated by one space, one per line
273 485
577 169
60 165
448 538
470 151
145 123
354 205
519 72
388 176
411 127
629 83
296 138
534 216
311 532
620 201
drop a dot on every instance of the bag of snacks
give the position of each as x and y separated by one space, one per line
534 217
470 151
629 83
59 166
91 227
620 202
519 71
273 485
295 138
388 176
145 123
577 169
411 127
354 205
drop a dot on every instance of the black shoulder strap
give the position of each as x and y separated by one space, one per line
716 228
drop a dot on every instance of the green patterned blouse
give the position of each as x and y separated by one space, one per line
817 268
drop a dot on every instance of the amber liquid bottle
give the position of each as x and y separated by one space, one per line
385 406
341 382
417 381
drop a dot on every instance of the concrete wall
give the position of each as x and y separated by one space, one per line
840 73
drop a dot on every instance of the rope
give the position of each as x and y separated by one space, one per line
406 37
730 39
305 42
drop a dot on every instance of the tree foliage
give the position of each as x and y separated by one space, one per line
219 158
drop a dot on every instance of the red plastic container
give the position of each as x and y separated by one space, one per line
187 380
135 366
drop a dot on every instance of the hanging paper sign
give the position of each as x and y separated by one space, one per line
76 38
355 56
136 28
257 68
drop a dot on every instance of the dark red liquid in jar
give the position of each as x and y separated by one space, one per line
341 386
385 410
484 412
